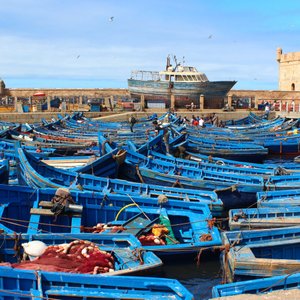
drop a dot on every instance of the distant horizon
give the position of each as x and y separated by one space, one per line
96 44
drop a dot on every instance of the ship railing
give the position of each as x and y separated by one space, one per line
145 75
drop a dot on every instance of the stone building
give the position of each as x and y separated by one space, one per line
289 70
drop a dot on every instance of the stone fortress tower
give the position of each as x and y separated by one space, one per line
289 70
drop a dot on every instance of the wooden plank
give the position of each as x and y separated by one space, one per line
41 211
46 204
48 212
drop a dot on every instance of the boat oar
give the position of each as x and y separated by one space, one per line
138 207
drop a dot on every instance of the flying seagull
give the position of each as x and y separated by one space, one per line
111 19
210 36
78 56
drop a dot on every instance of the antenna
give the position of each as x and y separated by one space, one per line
176 63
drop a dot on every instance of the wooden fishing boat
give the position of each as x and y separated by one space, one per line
68 162
46 285
61 147
260 218
283 145
261 253
36 174
241 153
250 119
166 228
276 169
184 82
123 249
179 162
165 173
283 182
262 126
287 283
282 198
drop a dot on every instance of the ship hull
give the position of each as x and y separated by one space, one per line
185 91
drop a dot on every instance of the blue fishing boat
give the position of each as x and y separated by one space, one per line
166 173
282 198
248 153
187 228
37 174
276 169
261 253
284 283
23 284
283 182
124 251
210 166
260 218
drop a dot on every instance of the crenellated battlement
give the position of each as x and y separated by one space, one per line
289 70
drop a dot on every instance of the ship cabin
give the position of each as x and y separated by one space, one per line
180 74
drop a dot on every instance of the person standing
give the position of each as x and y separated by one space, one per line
132 121
166 134
267 111
192 106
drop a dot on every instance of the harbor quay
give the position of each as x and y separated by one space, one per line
34 104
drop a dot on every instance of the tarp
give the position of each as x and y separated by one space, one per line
39 94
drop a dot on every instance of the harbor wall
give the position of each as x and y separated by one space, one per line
119 116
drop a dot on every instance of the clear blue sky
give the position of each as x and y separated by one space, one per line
73 43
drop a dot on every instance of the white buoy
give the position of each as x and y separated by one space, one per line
34 249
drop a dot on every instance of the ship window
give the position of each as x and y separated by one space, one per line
293 86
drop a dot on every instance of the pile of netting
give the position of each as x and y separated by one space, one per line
101 227
76 257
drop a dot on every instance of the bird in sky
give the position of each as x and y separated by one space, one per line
78 56
111 19
210 36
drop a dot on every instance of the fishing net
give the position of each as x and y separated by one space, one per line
75 257
101 227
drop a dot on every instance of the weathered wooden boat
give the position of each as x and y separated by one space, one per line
261 253
68 162
262 126
61 147
288 146
179 162
260 218
165 173
287 283
276 169
179 227
184 82
282 198
124 249
253 154
283 182
250 119
46 285
7 147
36 174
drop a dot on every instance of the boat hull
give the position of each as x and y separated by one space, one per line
187 91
